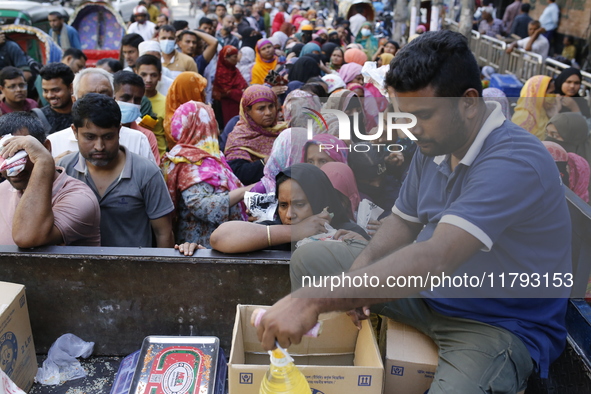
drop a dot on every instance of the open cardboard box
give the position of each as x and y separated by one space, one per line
342 360
17 351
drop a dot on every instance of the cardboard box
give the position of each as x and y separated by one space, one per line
411 359
342 360
17 351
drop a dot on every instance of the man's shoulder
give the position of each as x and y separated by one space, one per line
142 169
69 161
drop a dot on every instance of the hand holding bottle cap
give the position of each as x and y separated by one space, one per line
257 315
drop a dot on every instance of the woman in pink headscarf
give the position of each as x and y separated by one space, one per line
351 72
579 175
342 178
324 148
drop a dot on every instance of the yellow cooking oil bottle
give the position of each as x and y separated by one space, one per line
283 377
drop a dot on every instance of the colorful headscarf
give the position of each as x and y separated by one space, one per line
494 94
187 86
250 141
282 37
286 151
227 76
246 63
196 157
334 82
262 67
386 58
342 178
287 28
302 100
349 71
309 48
370 43
355 55
354 85
579 175
530 112
338 152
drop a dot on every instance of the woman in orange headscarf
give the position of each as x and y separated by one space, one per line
536 105
187 86
265 61
229 83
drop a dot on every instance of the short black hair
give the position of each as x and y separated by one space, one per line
185 32
57 70
97 108
525 7
205 21
57 14
315 88
177 25
132 40
441 59
75 53
127 78
570 39
148 60
164 15
10 73
13 122
114 64
396 44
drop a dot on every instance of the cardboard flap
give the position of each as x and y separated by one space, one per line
405 343
9 292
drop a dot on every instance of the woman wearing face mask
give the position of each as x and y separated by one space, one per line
367 40
251 141
228 84
203 188
188 86
265 61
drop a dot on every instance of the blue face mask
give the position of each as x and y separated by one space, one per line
129 112
167 46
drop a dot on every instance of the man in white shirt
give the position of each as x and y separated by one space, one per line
357 20
97 80
549 19
536 42
142 25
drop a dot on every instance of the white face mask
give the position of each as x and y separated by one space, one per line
129 112
167 46
365 32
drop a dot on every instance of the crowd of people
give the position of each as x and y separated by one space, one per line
158 149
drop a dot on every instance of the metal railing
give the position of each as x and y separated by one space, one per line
491 51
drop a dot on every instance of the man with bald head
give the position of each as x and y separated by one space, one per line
97 80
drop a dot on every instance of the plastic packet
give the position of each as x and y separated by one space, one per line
13 165
367 211
377 76
327 236
61 363
261 206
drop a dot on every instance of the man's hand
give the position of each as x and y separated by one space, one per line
395 159
373 227
286 322
359 314
36 151
311 226
342 235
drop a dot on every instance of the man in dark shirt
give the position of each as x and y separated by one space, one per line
521 21
13 87
11 54
56 82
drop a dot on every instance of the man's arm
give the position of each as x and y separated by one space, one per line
212 45
33 222
393 234
533 38
163 230
290 318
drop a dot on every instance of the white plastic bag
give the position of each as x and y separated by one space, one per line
7 386
61 363
367 211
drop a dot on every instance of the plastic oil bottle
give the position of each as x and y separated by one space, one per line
283 377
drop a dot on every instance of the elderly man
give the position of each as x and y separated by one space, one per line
490 26
42 205
97 80
63 34
462 212
131 190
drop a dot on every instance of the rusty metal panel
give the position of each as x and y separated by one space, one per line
117 296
